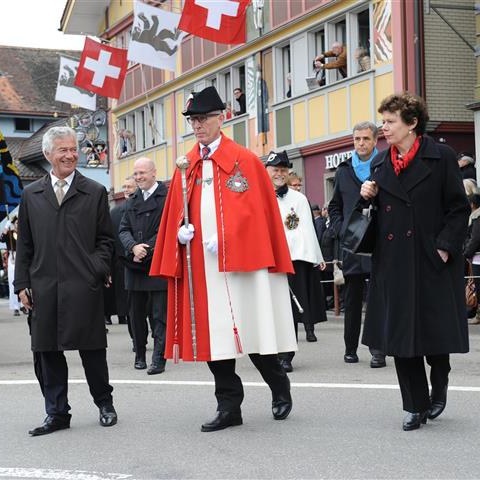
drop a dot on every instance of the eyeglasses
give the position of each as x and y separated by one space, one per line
201 118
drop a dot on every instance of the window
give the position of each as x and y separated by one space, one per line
23 125
286 72
360 36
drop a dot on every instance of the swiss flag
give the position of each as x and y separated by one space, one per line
102 69
221 21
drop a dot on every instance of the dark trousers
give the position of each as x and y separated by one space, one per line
228 385
154 305
52 373
412 379
353 295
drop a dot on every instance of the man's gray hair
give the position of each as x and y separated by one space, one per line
56 132
364 126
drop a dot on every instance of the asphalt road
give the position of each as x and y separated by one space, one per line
345 423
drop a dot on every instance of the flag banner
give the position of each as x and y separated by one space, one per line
155 37
221 21
10 183
67 91
102 69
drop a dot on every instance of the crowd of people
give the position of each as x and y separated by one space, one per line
231 257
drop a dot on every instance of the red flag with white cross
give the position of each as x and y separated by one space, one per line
221 21
102 69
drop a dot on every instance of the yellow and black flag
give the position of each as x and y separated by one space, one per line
10 183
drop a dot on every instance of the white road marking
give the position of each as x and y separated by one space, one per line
360 386
54 474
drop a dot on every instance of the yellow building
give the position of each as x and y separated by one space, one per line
288 107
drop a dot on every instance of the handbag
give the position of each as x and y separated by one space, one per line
359 234
471 299
338 278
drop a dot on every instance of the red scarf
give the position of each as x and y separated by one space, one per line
400 162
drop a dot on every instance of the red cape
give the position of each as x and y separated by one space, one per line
254 238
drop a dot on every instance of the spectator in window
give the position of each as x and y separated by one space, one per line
339 52
228 111
319 72
242 101
467 166
363 58
289 85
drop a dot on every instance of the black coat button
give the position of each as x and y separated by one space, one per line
390 236
409 233
388 208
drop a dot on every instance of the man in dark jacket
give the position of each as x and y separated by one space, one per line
356 269
467 166
148 295
64 248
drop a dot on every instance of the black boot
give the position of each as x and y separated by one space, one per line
158 362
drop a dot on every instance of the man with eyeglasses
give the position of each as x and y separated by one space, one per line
147 295
239 258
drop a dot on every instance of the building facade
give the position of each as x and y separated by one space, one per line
288 106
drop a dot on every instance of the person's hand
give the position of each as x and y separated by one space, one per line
212 244
185 234
323 266
140 250
25 298
369 190
443 255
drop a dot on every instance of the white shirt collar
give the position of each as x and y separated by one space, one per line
151 189
68 179
213 146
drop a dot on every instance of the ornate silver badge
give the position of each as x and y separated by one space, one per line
237 182
292 220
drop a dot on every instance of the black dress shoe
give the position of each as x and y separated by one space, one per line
350 358
311 337
222 420
51 424
286 365
438 403
412 421
378 361
140 363
281 406
154 369
108 416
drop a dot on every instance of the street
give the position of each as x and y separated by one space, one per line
346 420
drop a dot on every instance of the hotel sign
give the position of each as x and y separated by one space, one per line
335 159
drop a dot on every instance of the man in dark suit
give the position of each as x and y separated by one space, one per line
356 268
65 243
148 295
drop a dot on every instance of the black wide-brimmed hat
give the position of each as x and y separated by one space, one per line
278 160
206 101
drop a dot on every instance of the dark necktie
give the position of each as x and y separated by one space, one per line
205 153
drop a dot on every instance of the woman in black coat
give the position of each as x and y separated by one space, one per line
416 307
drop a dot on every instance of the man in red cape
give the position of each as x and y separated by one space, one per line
239 258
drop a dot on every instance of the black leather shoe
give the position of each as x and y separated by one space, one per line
350 358
51 424
311 337
108 416
281 406
412 421
140 363
378 361
222 420
154 369
438 403
286 365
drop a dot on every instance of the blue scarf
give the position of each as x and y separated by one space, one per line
362 168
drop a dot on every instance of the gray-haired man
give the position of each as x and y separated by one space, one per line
356 269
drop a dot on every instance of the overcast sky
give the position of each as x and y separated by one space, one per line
35 23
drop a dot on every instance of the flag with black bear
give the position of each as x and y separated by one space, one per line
10 183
